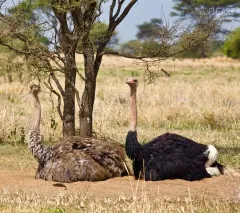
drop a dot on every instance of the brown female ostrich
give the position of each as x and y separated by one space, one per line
169 156
73 158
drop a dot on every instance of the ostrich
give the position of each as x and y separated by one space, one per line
73 158
169 156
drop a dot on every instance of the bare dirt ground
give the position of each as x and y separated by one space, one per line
223 188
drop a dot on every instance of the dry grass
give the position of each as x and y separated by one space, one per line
34 202
200 100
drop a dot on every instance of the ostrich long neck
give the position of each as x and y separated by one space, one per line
133 108
132 146
37 117
41 153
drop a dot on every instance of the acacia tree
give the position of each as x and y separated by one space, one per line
75 20
66 23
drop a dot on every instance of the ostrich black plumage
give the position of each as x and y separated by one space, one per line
169 156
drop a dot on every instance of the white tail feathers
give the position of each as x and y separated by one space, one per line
213 171
213 155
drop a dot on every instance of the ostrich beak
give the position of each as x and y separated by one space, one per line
131 81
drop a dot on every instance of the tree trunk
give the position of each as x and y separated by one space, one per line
88 96
69 96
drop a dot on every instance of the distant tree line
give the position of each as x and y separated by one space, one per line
194 11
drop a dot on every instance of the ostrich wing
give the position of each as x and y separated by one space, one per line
69 165
174 143
109 155
173 156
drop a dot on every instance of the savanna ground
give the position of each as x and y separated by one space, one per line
201 100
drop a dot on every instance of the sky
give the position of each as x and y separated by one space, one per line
142 12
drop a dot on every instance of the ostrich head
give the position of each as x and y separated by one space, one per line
35 89
132 82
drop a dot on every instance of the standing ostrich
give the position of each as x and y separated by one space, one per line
169 156
73 158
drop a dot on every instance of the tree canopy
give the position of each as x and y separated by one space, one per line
149 30
97 33
232 44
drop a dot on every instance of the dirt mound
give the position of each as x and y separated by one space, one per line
223 188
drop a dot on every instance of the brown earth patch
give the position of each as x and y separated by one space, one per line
222 188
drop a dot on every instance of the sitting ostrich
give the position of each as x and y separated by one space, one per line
74 158
169 156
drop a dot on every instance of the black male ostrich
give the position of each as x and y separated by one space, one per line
169 156
74 158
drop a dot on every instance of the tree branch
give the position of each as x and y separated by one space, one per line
124 13
80 75
61 16
2 2
99 9
57 83
13 49
120 3
112 25
77 21
111 11
124 55
49 86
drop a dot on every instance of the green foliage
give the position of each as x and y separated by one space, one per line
132 47
148 43
199 9
150 48
4 49
16 136
149 30
213 48
10 67
157 39
26 11
97 35
140 48
232 44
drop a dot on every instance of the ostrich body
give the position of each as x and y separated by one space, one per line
169 156
74 158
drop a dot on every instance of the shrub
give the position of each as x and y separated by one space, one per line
232 44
